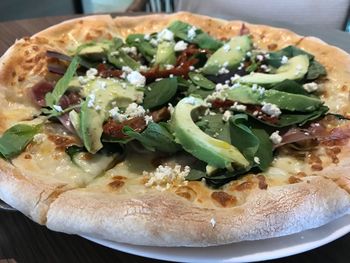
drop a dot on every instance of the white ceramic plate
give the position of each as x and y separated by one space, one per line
244 251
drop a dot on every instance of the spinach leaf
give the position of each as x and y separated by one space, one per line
265 149
159 93
287 119
142 45
315 70
200 80
290 86
198 92
16 138
154 138
211 124
120 59
52 98
242 137
202 39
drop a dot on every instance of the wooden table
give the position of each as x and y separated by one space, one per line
25 241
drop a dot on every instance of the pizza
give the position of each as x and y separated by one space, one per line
175 130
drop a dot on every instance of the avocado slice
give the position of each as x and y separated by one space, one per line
229 55
294 69
213 151
101 94
165 54
283 100
97 51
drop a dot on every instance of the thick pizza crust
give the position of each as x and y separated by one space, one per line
163 218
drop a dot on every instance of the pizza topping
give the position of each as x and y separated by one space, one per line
165 176
275 137
310 87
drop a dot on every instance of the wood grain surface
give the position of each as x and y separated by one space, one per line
22 240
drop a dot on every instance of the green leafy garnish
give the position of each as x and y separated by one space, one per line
16 138
154 138
142 45
52 98
202 39
159 93
120 59
201 81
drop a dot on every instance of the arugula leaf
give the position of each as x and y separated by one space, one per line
16 138
202 39
200 80
159 93
52 98
120 59
154 137
142 45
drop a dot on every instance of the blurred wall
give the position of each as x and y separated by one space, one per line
20 9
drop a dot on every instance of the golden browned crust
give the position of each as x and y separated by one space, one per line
168 218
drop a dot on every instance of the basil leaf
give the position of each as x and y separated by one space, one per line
52 98
159 93
120 59
200 80
265 149
315 70
142 45
16 138
242 137
154 138
202 39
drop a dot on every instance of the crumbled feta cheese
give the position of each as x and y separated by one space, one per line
91 100
180 45
261 91
213 222
267 55
191 33
256 160
238 107
190 100
171 75
265 68
235 77
223 70
147 37
171 108
116 115
39 137
284 60
134 110
130 50
82 80
154 42
166 35
275 137
136 79
143 68
169 66
57 108
98 107
227 115
91 73
164 176
148 119
310 87
226 47
260 57
271 109
191 68
101 84
248 54
126 69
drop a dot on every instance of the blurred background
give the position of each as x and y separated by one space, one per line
331 14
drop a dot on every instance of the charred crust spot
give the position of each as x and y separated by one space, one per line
272 46
116 184
344 88
186 192
262 182
293 180
332 153
317 167
301 174
61 142
244 186
343 183
223 199
118 177
27 156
